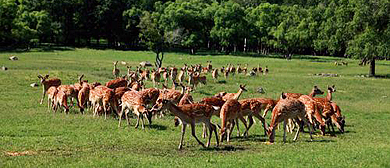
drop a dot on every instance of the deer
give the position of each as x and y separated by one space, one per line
239 70
173 74
47 83
102 96
209 66
155 77
287 109
245 69
165 76
226 96
70 92
328 112
115 71
194 79
181 75
51 97
191 114
252 107
230 111
118 82
132 100
215 74
83 97
266 70
259 69
185 99
61 101
315 91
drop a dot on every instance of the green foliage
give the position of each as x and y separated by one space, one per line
76 140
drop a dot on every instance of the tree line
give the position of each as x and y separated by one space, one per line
345 28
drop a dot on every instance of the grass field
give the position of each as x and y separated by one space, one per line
75 140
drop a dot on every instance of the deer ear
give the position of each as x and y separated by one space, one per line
315 87
283 96
47 76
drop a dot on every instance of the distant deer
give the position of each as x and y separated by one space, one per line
192 114
287 109
47 83
155 77
215 74
115 71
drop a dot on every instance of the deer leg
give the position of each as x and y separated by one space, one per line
215 132
143 121
204 134
136 125
265 126
120 116
43 95
127 116
238 128
265 112
208 124
284 130
183 130
250 119
194 134
246 127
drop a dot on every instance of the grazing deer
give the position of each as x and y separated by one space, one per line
83 97
47 83
191 114
115 71
132 100
328 112
61 101
155 77
230 111
287 109
312 110
118 82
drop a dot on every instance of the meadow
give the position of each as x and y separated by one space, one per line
76 140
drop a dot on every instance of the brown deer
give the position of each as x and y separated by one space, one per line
132 100
165 76
252 107
230 111
173 74
194 79
118 82
215 74
287 109
47 83
61 101
191 114
226 96
245 69
70 92
156 76
313 93
51 96
181 75
102 96
83 97
115 71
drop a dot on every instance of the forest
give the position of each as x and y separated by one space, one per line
343 28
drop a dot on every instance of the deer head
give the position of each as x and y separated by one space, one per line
43 78
316 91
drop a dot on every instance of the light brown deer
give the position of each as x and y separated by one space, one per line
252 107
173 74
181 75
61 101
315 91
230 111
165 76
132 100
194 79
47 83
312 110
287 109
51 96
215 74
70 92
192 114
226 96
102 96
156 76
115 71
83 97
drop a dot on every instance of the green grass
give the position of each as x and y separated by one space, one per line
76 140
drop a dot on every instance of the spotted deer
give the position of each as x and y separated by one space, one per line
315 91
181 75
195 79
61 101
104 97
156 76
132 100
225 96
70 92
185 99
118 82
252 107
47 83
173 74
287 109
115 71
191 114
230 111
83 97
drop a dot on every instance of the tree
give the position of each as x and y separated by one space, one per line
372 27
8 12
229 23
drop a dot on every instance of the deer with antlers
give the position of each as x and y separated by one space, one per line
230 111
47 83
287 109
115 71
191 114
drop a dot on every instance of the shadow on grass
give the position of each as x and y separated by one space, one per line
157 127
224 148
254 138
205 93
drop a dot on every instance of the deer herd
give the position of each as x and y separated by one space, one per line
126 94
